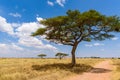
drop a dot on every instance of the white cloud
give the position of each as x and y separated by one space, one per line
95 44
61 2
8 47
88 45
39 18
98 44
15 25
15 15
35 43
28 28
30 41
115 38
5 26
23 33
3 46
13 50
48 46
50 3
14 46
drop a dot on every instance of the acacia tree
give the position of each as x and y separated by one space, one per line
61 55
75 27
42 55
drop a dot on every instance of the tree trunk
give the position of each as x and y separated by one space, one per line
73 54
60 57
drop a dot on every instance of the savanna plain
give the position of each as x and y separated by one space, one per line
50 69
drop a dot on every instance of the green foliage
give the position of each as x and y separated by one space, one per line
40 31
77 27
42 55
61 55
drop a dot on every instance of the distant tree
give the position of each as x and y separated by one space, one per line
76 27
42 55
61 55
94 57
119 58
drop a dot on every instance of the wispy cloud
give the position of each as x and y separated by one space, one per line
88 45
61 2
15 15
98 44
50 3
115 38
9 47
94 44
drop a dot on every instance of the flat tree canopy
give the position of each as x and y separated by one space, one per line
75 27
61 55
42 55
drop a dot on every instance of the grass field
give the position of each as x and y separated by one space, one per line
116 72
42 69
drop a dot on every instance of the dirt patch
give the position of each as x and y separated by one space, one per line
101 71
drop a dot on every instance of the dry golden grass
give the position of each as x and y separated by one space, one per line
116 71
42 69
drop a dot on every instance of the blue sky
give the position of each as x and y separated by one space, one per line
19 18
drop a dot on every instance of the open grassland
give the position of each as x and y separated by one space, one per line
116 72
43 69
